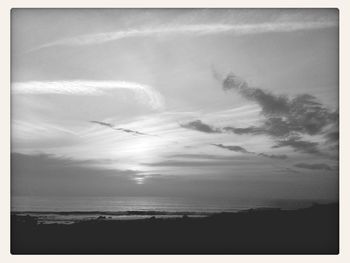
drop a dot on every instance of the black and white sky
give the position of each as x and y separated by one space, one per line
233 103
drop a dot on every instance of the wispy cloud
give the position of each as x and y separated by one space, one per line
198 125
103 124
205 157
143 93
274 156
315 166
109 125
248 130
240 149
189 30
189 163
299 145
233 148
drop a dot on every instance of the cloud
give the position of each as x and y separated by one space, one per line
207 157
283 116
314 166
286 119
248 130
233 81
143 93
332 136
274 156
243 150
109 125
269 103
299 145
198 125
294 142
309 116
103 124
193 163
285 135
233 148
216 74
133 132
194 30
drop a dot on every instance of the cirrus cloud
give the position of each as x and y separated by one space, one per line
143 93
190 30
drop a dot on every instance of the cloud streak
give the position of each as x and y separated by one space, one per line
299 145
233 148
248 130
143 93
189 30
109 125
274 156
198 125
240 149
314 166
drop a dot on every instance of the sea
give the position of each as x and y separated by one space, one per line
67 210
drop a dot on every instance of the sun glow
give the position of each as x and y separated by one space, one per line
139 180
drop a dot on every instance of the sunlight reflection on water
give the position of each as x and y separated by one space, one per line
124 204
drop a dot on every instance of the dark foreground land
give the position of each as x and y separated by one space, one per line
313 230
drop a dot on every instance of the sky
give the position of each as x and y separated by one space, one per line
208 103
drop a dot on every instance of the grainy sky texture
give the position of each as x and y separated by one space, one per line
227 103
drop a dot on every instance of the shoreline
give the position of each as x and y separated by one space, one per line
72 217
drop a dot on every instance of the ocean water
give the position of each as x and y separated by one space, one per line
73 209
126 203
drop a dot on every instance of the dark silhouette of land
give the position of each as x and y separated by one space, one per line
313 230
